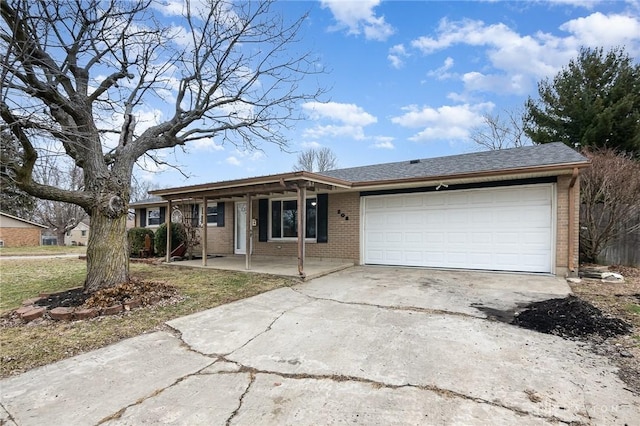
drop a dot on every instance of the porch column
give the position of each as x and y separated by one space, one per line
248 234
205 227
302 213
167 221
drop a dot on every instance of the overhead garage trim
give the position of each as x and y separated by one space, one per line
462 186
499 228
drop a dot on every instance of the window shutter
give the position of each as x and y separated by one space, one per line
322 218
220 214
143 217
263 219
163 211
195 215
276 219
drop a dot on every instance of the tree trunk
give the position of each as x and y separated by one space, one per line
60 237
107 252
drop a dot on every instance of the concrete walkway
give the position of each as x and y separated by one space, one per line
364 345
275 265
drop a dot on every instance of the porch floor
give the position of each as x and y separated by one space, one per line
275 265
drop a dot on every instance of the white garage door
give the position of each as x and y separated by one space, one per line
506 229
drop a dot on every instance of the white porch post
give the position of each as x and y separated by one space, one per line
302 212
248 233
167 221
205 226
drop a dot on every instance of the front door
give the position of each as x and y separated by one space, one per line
241 228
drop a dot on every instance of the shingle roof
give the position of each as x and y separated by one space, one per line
152 199
550 154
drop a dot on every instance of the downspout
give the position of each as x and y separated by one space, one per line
167 220
203 234
302 226
572 223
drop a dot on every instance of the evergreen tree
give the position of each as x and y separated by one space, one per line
594 102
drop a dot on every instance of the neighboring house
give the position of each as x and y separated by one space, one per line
506 210
78 236
18 232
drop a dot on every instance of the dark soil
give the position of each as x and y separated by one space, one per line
148 293
570 317
67 299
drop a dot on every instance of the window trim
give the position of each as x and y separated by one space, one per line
270 220
205 214
149 210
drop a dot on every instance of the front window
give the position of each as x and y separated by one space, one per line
212 213
83 233
284 218
153 217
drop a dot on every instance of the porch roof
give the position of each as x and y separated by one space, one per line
261 185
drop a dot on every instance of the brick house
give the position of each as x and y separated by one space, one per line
507 210
78 236
18 232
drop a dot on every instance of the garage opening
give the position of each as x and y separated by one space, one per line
505 229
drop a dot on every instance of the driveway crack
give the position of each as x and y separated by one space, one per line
252 379
153 394
447 393
9 416
393 307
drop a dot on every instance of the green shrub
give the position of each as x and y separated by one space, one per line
178 236
136 240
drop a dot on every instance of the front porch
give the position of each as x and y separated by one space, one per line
275 265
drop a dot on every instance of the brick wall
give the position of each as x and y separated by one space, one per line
220 239
20 237
343 241
562 225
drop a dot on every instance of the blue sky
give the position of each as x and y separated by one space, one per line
412 79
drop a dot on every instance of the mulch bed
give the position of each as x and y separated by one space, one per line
570 317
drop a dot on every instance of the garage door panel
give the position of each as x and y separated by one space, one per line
497 229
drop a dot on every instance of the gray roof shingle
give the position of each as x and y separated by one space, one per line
550 154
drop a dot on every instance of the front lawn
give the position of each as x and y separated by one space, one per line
42 250
41 342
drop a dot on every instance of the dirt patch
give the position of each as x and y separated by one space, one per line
75 304
66 299
619 300
570 317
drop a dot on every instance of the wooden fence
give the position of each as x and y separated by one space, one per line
623 251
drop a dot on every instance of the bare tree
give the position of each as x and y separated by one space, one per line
610 191
13 200
59 216
501 132
140 189
316 160
83 73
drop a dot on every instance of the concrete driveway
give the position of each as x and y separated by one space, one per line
367 345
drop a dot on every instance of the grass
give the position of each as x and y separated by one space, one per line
27 346
41 250
634 309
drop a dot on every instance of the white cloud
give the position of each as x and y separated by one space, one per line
351 120
608 31
396 55
383 142
443 73
233 161
346 113
207 144
319 132
311 144
358 17
517 61
445 122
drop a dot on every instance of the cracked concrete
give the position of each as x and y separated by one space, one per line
365 345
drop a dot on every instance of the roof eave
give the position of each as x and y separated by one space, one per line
184 191
567 167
